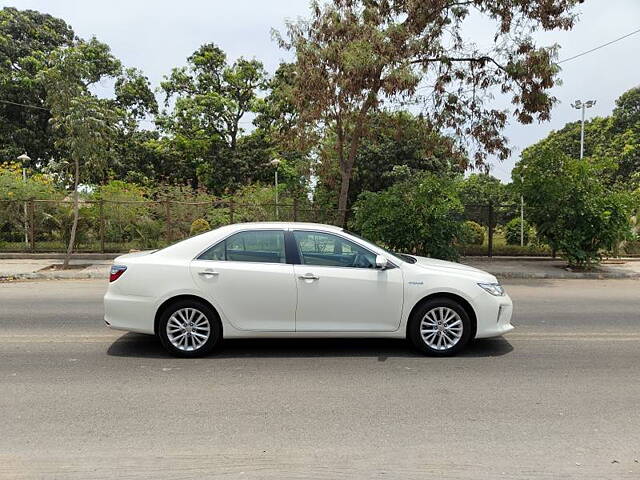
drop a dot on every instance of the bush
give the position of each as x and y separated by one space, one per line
198 226
149 232
512 232
472 233
571 204
419 215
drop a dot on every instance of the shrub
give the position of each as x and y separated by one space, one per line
512 232
472 233
419 215
571 204
198 226
149 232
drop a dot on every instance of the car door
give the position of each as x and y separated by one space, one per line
247 277
339 288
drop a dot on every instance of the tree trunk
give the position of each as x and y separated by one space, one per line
76 211
345 180
346 164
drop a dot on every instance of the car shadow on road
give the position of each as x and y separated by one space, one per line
147 346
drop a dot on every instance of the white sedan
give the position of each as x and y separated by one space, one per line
299 280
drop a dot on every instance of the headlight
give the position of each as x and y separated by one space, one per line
493 288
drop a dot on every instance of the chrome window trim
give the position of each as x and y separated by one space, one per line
282 230
293 230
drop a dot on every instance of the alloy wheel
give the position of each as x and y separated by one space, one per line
188 329
441 328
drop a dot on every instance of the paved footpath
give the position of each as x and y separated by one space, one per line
556 398
502 267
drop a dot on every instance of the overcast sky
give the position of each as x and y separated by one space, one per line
156 35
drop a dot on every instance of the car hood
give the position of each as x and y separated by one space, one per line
443 265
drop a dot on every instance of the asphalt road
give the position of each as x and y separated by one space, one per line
557 398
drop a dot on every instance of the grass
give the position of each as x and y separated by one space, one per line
501 248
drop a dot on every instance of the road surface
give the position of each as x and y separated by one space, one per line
558 397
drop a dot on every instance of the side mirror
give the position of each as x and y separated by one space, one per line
381 262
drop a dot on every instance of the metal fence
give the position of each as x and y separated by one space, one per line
38 225
494 218
113 226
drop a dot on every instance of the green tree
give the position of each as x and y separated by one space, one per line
571 204
616 137
353 55
84 124
210 99
420 215
397 139
27 38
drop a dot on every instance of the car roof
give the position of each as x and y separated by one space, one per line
284 225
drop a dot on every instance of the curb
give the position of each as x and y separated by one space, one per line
58 256
568 276
502 275
54 276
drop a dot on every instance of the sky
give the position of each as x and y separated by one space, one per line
157 35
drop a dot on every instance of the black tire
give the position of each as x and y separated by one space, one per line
414 334
211 316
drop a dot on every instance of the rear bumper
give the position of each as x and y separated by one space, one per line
494 317
130 313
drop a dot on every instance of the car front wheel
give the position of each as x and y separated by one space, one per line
189 328
440 327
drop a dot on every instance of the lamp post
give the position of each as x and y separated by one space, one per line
524 167
580 105
23 159
276 162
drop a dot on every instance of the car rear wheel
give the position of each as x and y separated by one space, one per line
189 328
440 327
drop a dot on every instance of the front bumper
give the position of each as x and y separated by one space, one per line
494 316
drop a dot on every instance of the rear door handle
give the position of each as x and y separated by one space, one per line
208 273
308 276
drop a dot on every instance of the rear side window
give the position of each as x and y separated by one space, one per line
265 246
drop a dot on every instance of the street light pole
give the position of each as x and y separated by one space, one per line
521 220
275 162
580 105
25 158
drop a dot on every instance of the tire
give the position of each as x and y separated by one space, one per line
183 326
444 338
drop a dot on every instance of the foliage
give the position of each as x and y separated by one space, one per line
27 38
125 205
512 232
210 98
83 123
351 55
395 140
14 187
616 137
420 215
571 205
482 189
60 219
198 226
472 233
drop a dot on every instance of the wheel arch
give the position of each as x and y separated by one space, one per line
169 301
464 303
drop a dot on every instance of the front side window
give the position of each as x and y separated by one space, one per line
265 246
326 249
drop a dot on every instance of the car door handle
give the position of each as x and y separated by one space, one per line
308 276
208 273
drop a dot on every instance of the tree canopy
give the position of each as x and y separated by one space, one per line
352 56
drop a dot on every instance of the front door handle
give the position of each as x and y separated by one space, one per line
209 273
308 276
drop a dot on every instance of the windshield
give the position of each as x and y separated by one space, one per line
401 256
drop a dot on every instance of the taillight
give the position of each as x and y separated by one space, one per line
116 272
